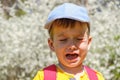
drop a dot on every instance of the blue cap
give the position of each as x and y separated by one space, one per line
70 11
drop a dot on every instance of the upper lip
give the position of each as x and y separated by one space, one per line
74 52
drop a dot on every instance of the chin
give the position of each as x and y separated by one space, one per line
73 65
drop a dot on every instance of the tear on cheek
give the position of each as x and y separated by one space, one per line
71 56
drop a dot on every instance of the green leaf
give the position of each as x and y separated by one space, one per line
20 12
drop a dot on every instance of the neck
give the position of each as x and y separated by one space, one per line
72 70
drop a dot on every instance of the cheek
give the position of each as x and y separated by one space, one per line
83 46
58 48
59 45
83 50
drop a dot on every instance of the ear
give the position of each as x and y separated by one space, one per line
50 42
89 42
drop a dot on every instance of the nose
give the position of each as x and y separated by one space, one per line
72 46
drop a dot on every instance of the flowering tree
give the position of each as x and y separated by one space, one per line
23 40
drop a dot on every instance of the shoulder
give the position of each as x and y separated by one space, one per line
91 71
39 75
99 75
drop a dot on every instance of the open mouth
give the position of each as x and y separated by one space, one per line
71 56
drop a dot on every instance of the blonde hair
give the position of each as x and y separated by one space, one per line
64 22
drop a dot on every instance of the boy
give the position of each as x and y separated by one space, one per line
69 29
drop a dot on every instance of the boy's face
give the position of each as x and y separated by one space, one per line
70 44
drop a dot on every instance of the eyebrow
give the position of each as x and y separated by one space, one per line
62 34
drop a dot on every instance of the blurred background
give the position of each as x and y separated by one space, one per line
23 40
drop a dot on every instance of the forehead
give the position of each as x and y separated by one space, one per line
78 28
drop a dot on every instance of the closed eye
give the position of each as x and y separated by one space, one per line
63 39
79 38
82 39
